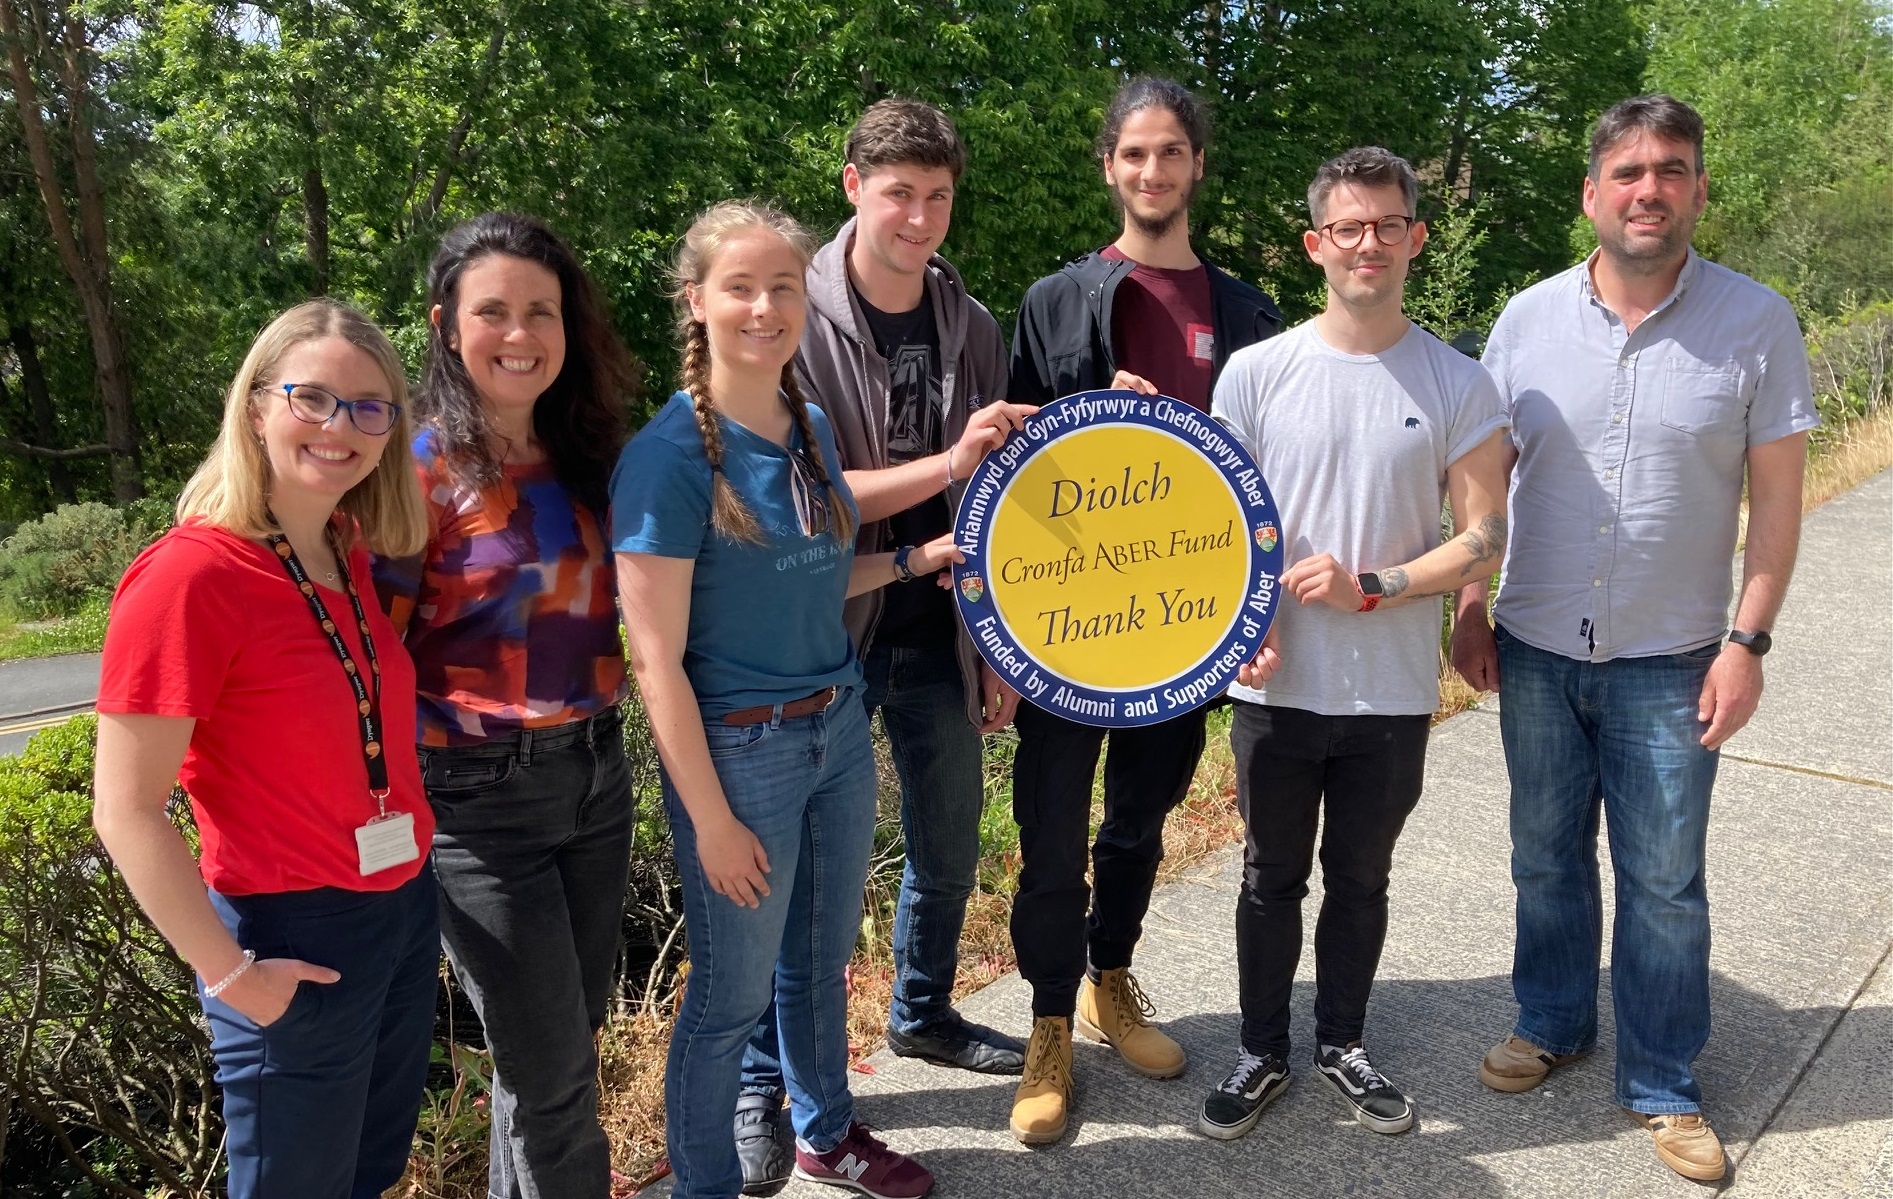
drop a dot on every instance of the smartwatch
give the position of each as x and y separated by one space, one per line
902 573
1369 586
1755 643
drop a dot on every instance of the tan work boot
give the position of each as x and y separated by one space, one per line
1516 1064
1117 1012
1043 1101
1686 1144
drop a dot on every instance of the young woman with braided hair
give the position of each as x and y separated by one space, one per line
735 538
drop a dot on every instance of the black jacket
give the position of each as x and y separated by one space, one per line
1063 341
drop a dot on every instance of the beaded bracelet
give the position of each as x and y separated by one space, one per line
215 989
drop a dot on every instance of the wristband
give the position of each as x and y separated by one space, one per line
949 458
212 990
902 572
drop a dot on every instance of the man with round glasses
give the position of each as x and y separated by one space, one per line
1363 423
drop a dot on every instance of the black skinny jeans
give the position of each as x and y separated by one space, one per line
1366 771
1146 774
533 851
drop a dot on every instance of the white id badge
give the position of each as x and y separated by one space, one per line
387 841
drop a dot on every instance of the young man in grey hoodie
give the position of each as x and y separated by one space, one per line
911 372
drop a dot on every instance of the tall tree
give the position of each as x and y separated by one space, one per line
56 35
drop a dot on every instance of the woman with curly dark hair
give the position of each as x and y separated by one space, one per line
510 615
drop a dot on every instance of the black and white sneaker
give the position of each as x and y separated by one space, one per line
1232 1108
1377 1103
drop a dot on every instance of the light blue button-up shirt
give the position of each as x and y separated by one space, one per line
1631 452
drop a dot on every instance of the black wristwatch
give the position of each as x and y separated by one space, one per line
1755 643
902 574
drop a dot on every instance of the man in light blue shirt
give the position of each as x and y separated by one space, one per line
1642 384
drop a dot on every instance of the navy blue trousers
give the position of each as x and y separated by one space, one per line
322 1102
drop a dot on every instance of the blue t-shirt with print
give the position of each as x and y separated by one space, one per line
765 620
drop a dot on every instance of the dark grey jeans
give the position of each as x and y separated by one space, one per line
533 850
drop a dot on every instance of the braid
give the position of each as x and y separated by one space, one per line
840 520
728 514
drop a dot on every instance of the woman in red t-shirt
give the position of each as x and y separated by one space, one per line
242 662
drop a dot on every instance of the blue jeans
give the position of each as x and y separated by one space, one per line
321 1102
937 754
534 848
1621 736
805 787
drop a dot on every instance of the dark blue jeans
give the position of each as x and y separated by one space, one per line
1620 736
922 700
534 849
321 1103
805 788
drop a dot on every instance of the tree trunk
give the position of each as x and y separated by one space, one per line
315 226
39 405
87 263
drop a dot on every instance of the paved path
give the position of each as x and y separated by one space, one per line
36 692
1798 1074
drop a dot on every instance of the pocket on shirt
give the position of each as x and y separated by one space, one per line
1703 396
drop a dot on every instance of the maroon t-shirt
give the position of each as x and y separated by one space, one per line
1161 329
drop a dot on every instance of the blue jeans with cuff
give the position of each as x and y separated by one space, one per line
534 851
321 1103
805 787
937 754
1620 738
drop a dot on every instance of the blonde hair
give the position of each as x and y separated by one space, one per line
230 489
706 238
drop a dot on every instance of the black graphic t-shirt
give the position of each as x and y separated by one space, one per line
919 614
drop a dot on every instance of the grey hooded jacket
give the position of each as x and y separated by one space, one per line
842 373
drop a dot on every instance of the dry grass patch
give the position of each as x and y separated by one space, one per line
1858 452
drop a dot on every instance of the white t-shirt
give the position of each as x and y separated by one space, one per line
1355 449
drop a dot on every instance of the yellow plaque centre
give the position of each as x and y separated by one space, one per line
1119 557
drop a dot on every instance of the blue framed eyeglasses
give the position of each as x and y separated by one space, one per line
317 405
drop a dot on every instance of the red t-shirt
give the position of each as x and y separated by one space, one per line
1161 329
209 625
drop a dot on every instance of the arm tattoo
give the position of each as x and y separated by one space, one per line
1484 543
1393 582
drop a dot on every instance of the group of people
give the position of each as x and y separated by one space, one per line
381 652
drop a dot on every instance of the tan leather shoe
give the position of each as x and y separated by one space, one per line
1516 1064
1043 1102
1686 1144
1117 1012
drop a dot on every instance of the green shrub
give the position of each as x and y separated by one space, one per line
1852 362
105 1047
51 566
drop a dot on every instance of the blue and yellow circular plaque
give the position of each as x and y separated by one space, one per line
1122 553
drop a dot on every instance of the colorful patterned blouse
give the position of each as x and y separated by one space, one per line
510 613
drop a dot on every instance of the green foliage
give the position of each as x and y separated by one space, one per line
81 633
1442 296
254 155
54 566
1852 362
1797 96
101 1030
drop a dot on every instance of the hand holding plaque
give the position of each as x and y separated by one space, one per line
1122 557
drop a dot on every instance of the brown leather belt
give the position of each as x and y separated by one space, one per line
764 713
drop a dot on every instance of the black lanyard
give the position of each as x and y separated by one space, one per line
367 706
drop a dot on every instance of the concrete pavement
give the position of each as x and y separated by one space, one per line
1798 1074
